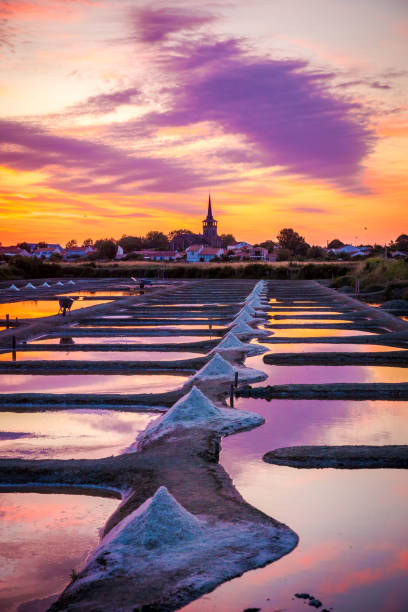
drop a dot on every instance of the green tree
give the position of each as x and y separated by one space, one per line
156 240
315 252
106 248
131 243
289 239
268 244
227 240
335 244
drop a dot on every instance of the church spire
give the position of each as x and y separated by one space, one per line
209 213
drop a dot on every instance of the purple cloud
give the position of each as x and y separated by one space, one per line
105 103
155 25
81 166
285 111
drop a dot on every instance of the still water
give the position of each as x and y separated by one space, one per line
316 347
30 309
314 374
90 383
69 434
116 339
97 356
43 537
353 548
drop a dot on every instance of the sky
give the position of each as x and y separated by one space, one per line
119 116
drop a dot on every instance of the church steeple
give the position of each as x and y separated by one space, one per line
209 213
210 235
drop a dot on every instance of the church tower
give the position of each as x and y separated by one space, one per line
210 235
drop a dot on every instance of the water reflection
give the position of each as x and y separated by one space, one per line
116 339
42 538
90 383
316 347
316 333
313 374
98 356
353 550
30 309
68 434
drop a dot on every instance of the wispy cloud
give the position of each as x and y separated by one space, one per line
156 25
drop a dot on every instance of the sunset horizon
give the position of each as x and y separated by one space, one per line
120 120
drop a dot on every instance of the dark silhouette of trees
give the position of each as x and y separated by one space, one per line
268 244
88 242
71 244
335 244
106 248
227 240
291 240
131 243
156 240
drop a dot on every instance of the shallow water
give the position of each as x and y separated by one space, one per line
353 547
317 347
90 383
315 333
158 327
42 538
69 434
97 356
29 309
102 293
314 374
295 322
153 340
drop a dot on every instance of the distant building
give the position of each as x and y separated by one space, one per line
209 236
13 250
201 253
210 232
151 255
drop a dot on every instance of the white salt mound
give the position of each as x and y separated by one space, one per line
194 406
243 328
159 522
59 284
29 286
217 367
45 284
230 342
14 288
71 282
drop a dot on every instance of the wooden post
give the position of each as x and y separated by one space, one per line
232 395
236 379
13 343
7 321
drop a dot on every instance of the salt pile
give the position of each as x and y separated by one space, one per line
230 343
159 522
71 282
45 284
29 286
217 367
244 318
59 284
192 410
14 288
243 329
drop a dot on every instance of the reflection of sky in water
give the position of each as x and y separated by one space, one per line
98 355
295 322
313 374
353 550
30 309
90 383
157 326
70 433
316 347
155 340
315 333
108 292
42 538
273 313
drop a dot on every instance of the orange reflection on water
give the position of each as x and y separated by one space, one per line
29 309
